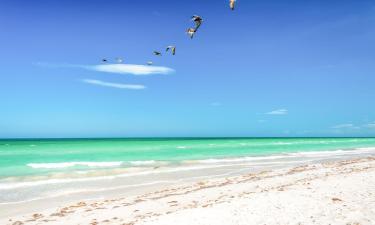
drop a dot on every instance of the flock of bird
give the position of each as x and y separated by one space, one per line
191 32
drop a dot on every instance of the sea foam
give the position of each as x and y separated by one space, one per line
72 164
143 163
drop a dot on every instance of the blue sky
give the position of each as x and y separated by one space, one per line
269 68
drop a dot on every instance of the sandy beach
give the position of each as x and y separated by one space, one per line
335 192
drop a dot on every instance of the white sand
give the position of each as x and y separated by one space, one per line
329 193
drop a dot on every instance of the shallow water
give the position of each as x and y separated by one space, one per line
39 169
40 157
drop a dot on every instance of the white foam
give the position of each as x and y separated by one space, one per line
315 154
282 143
12 185
339 152
143 163
205 164
240 159
72 164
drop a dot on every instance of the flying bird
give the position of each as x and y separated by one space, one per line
172 48
198 21
157 53
104 60
191 32
149 63
231 4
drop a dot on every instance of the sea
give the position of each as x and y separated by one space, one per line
33 169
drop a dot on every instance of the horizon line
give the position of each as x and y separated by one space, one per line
187 137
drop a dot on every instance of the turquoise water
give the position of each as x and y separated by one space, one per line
41 157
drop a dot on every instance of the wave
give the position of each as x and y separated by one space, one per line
31 183
72 164
307 154
282 143
239 159
338 152
143 163
85 190
136 168
63 165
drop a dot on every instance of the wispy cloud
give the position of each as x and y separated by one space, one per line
353 127
278 112
346 126
133 69
370 125
114 85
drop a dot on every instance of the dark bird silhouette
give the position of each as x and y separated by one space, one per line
197 20
157 53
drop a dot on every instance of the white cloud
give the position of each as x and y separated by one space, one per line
350 126
345 126
114 85
114 68
131 69
278 112
370 125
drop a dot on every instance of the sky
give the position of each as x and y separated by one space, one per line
269 68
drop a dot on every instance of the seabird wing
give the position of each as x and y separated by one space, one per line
191 32
232 4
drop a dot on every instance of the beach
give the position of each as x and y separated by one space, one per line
331 192
340 192
288 186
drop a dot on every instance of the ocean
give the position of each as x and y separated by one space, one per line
31 169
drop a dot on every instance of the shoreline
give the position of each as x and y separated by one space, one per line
116 182
204 198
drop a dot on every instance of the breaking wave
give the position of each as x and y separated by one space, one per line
72 164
